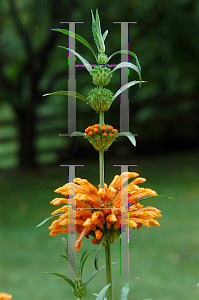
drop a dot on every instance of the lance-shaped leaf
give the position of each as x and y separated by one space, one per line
102 293
70 254
125 87
82 261
78 133
68 93
149 198
128 65
124 292
63 277
105 35
97 34
129 135
77 37
51 217
130 53
98 251
84 61
95 272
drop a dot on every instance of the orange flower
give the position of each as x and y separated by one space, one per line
5 296
100 212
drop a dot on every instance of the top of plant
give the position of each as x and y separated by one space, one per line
97 33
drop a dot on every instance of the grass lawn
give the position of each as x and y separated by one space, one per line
165 259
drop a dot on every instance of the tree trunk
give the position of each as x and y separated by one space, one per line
26 122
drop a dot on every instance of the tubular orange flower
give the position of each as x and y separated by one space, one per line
5 296
99 211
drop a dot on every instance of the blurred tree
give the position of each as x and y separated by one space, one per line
165 111
27 44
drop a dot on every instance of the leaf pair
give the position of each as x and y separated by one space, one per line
124 293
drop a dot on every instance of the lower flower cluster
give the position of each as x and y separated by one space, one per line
100 137
100 212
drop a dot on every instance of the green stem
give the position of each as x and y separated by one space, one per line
101 168
101 153
101 118
109 272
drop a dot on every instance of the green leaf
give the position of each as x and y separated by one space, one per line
97 34
64 256
51 217
83 260
62 276
125 291
130 53
70 254
95 272
105 35
77 133
78 38
102 292
129 135
126 86
98 251
128 65
84 61
68 93
151 197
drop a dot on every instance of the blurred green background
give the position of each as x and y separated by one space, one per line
164 114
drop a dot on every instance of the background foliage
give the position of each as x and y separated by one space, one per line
164 113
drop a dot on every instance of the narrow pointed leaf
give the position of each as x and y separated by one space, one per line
125 291
84 61
50 218
68 93
83 260
70 254
95 272
77 133
63 277
77 37
64 256
125 87
128 65
102 292
105 35
151 197
130 53
98 251
129 135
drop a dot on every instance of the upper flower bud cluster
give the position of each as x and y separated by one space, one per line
101 75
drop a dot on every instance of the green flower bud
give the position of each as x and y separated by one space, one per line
102 59
100 99
101 75
80 289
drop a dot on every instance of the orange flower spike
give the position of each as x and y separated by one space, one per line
110 128
98 234
113 183
86 130
104 134
110 134
96 126
115 130
96 130
61 209
103 128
